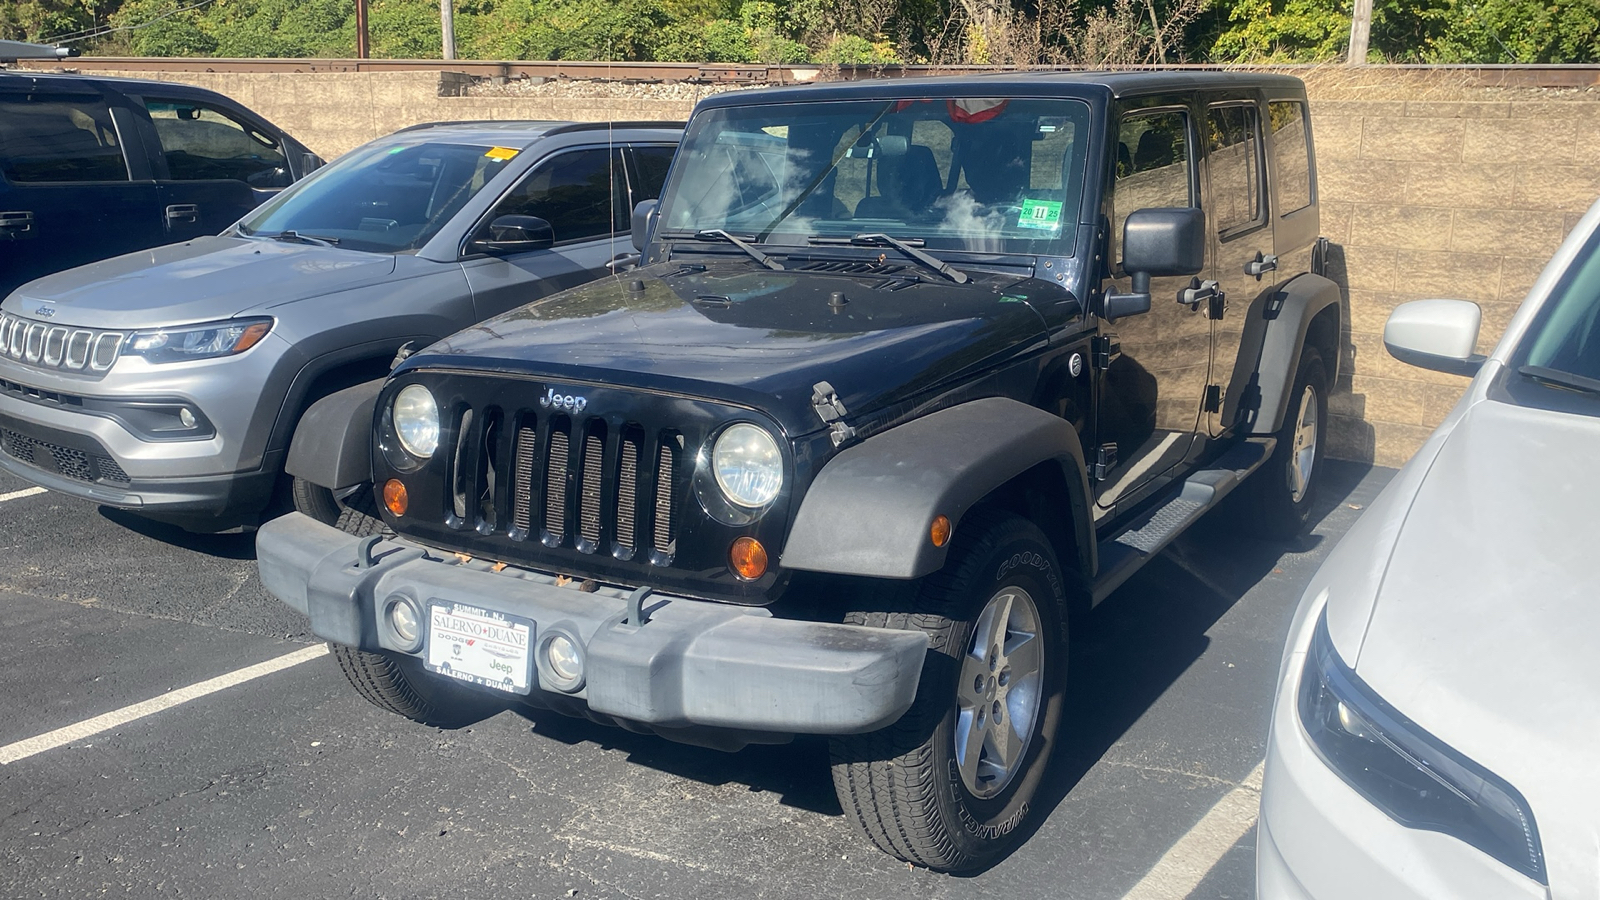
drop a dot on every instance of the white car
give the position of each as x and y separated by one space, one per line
1437 720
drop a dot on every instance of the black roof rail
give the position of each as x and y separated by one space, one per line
558 127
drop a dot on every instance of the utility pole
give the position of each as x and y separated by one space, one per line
363 45
447 23
1360 29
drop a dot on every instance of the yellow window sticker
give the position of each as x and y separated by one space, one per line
501 153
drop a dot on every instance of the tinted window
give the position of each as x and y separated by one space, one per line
1233 159
387 198
652 164
202 143
1152 165
46 139
579 193
1291 155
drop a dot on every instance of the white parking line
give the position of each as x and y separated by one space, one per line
18 495
1186 863
61 736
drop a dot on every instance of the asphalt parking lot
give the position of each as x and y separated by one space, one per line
288 784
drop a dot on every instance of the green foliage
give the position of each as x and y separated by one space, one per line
1286 30
852 50
34 20
179 34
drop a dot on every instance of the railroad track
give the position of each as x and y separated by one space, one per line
1487 75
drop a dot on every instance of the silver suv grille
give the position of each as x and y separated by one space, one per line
50 346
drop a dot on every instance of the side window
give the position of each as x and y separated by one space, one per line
202 143
1233 161
56 139
1291 155
1153 167
651 163
577 192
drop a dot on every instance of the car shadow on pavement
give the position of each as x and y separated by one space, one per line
234 545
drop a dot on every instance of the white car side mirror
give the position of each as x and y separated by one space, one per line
1436 334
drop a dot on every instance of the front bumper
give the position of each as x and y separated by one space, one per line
692 664
1318 839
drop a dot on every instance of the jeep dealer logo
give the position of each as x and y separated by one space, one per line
568 402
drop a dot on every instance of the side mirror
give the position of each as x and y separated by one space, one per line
643 222
309 162
515 234
1157 243
1440 335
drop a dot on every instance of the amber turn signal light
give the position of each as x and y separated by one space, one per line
394 496
748 558
939 531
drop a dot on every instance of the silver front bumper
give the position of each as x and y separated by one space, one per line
692 662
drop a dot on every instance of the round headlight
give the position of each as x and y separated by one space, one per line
416 421
748 466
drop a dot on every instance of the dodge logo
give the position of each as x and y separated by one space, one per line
568 402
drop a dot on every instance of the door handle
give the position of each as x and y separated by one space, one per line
183 213
16 226
1261 265
1199 292
623 261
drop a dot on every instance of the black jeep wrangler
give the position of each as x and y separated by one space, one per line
913 370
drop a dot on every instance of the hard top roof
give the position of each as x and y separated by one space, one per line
69 80
524 133
1030 84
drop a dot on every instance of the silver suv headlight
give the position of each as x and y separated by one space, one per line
416 420
190 342
748 465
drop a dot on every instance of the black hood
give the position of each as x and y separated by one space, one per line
761 338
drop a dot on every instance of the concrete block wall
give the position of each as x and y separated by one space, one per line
1463 197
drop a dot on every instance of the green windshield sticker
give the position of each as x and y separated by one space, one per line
1044 214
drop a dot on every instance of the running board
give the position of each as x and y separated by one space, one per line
1149 533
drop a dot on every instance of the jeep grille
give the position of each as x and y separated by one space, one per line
48 346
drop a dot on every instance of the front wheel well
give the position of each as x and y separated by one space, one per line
1324 333
1042 495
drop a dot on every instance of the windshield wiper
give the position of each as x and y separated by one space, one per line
717 234
1561 379
909 248
299 238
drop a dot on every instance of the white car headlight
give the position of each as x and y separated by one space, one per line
748 465
416 421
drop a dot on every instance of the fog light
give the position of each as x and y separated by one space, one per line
394 496
403 619
939 531
186 417
748 558
563 657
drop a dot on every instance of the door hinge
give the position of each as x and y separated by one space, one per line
1105 459
1213 398
1103 351
830 409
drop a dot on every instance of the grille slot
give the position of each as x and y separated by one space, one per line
522 482
665 464
555 486
461 474
594 449
627 494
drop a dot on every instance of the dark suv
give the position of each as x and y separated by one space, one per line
914 371
94 167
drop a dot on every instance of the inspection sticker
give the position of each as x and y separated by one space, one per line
1043 214
507 153
479 645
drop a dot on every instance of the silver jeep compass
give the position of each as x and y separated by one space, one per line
171 381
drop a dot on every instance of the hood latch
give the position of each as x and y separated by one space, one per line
830 409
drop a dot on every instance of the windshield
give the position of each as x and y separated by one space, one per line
383 199
1566 335
993 175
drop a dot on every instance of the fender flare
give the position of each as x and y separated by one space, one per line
332 445
1269 351
868 511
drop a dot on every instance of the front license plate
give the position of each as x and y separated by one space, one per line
480 645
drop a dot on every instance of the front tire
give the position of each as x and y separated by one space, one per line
948 786
400 685
1276 501
357 514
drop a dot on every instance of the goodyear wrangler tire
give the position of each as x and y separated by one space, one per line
948 785
358 515
1277 500
400 685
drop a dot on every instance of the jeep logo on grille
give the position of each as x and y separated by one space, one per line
44 311
568 402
